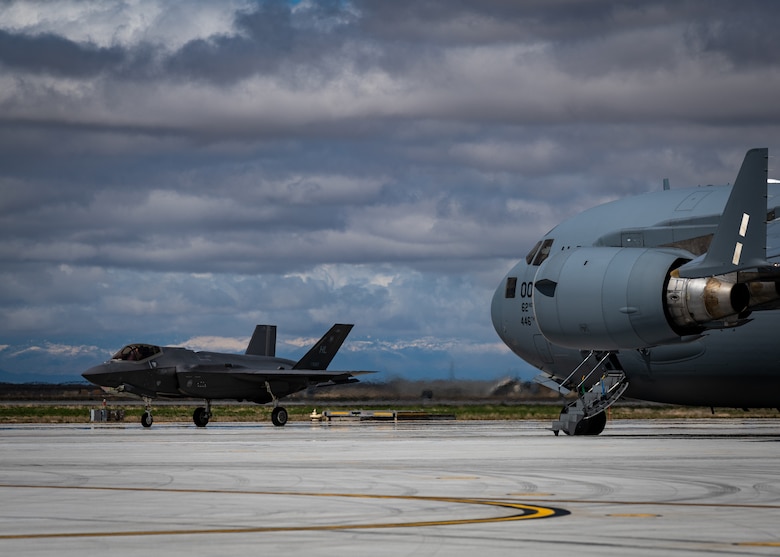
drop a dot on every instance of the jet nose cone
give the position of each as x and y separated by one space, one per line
96 374
497 311
94 370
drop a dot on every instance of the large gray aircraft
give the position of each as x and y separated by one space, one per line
670 296
151 372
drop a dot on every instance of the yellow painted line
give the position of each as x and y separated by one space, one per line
554 501
759 544
523 512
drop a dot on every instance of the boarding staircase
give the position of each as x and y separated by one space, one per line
585 415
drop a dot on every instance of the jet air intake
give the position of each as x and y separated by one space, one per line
625 298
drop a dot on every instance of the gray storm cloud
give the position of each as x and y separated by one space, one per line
171 171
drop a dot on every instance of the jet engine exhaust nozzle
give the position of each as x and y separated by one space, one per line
695 302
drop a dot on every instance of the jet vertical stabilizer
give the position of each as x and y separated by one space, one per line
740 241
321 354
263 341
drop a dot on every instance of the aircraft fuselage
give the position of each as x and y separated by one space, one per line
663 360
178 373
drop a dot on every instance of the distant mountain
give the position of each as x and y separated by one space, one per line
32 377
48 362
41 366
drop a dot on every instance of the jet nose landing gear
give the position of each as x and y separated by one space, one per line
573 422
201 416
146 417
586 415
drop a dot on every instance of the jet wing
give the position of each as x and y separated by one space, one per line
249 374
258 385
313 375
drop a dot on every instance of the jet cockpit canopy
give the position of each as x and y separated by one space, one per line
137 352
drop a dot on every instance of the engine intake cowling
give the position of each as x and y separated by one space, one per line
625 298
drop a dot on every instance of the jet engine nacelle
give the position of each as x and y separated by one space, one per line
625 298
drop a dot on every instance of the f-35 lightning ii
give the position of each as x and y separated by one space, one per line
151 372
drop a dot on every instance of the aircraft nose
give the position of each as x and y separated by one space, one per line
96 374
94 370
497 312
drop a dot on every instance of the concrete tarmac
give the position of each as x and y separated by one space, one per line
451 488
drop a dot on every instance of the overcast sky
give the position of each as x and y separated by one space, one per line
177 172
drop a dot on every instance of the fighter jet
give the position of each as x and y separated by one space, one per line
671 296
151 372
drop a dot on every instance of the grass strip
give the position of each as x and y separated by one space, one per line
80 413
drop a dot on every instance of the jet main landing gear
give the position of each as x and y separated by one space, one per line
202 415
279 416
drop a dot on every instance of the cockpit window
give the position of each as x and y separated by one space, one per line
530 256
136 352
543 252
511 287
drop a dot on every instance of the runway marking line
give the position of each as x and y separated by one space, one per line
526 512
661 503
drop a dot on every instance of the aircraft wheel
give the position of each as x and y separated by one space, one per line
146 419
279 416
597 424
200 416
593 425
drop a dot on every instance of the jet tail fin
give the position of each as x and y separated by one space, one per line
321 354
263 341
740 240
